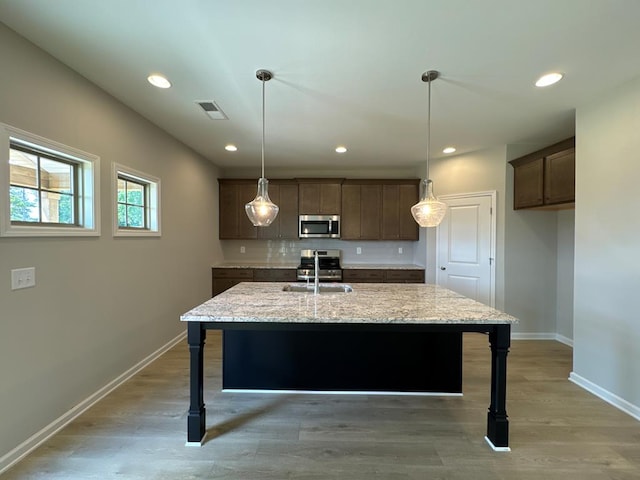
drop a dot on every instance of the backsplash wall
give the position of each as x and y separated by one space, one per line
288 251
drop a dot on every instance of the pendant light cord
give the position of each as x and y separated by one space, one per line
428 125
262 127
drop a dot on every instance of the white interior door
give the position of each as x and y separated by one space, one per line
466 246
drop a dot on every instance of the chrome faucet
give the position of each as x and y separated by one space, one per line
316 276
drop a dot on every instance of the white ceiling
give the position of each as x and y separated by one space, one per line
345 71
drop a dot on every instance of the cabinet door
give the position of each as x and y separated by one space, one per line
222 284
273 230
397 221
322 198
390 208
309 198
285 196
404 276
350 218
225 278
228 215
233 221
274 275
246 193
407 226
559 177
330 198
370 206
363 275
528 184
288 211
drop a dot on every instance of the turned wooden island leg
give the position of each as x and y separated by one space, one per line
497 420
196 420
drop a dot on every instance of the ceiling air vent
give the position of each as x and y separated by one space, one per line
212 110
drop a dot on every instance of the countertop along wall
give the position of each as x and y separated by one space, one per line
100 305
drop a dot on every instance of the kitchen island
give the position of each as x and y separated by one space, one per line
383 308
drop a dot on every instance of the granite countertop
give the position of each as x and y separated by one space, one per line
377 302
381 266
256 265
345 266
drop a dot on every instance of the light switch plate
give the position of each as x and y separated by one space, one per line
358 250
23 278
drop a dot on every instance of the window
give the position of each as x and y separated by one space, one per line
133 202
136 203
42 187
46 188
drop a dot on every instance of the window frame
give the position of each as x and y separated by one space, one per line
151 207
75 195
88 187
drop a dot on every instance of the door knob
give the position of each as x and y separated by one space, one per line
443 268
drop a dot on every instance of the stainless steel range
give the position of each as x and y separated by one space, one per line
328 265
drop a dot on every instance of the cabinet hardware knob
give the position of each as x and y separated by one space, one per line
443 268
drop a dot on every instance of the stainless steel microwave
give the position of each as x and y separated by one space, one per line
319 226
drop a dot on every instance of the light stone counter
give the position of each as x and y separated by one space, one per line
381 266
346 266
389 303
256 265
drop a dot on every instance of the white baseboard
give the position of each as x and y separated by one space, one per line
533 336
33 442
543 336
606 395
566 340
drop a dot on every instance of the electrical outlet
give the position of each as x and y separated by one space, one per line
358 250
23 278
400 250
242 249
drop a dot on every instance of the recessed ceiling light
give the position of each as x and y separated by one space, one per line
341 149
159 81
231 148
549 79
449 150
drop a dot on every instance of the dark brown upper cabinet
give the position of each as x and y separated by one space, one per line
284 193
361 210
319 196
234 194
545 179
398 196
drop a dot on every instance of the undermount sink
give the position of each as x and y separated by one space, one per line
322 288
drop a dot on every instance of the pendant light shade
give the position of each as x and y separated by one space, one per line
429 211
261 210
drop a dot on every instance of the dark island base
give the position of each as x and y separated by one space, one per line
343 361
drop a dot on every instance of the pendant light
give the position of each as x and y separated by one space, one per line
429 211
261 210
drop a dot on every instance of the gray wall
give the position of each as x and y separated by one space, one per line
564 276
607 247
100 304
476 172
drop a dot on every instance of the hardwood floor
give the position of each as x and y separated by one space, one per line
558 431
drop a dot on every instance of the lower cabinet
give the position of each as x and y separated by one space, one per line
362 275
225 278
274 275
